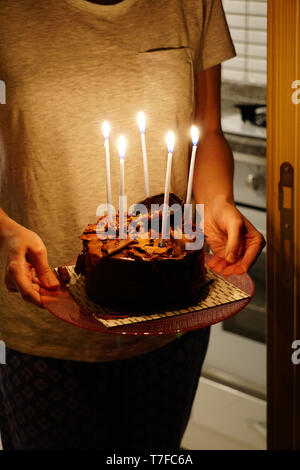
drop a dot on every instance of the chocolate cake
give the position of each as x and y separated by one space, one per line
141 273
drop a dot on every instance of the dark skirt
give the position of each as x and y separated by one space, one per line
139 403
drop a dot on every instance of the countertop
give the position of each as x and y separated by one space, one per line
233 94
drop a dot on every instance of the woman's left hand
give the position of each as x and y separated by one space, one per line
235 243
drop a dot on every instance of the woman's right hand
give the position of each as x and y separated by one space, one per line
25 262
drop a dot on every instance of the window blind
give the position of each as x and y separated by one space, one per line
247 21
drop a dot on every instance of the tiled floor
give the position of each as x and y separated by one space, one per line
225 419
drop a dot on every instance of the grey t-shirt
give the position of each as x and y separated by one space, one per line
68 66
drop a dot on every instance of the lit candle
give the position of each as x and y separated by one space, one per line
106 134
122 151
195 138
142 127
170 145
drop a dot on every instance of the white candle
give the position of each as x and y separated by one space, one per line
122 151
195 138
106 134
142 127
170 145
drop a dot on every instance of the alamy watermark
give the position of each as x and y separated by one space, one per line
296 354
147 223
2 353
2 92
296 94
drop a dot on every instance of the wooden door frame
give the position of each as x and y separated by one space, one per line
283 223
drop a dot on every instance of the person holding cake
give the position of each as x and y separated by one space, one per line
68 66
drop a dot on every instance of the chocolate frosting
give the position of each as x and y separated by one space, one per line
142 270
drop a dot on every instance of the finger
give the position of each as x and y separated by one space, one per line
36 287
39 260
18 276
239 269
234 232
230 269
252 253
213 261
220 266
33 273
34 277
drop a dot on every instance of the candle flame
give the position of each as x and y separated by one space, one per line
106 130
170 141
141 118
195 135
122 146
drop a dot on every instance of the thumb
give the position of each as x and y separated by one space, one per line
39 260
234 231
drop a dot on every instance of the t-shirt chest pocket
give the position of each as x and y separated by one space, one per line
168 81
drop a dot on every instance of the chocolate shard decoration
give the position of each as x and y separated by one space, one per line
91 228
89 236
64 274
113 246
